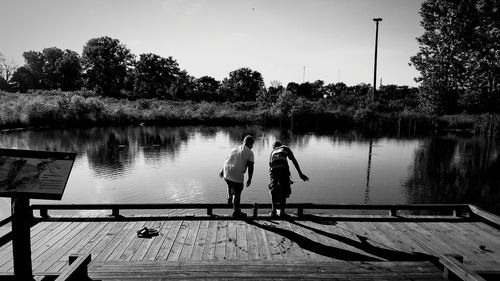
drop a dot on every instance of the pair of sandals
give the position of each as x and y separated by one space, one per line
147 232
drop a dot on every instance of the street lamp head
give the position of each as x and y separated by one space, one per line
377 19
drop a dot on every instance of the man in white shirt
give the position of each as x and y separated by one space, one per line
235 166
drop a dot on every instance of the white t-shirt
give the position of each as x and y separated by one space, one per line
236 163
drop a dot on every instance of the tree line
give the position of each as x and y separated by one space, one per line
458 61
108 68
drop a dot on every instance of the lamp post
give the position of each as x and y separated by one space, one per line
376 20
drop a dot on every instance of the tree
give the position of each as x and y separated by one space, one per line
69 71
34 64
155 75
52 68
243 84
23 79
206 89
459 55
270 96
318 90
50 75
105 62
183 86
305 90
292 87
7 68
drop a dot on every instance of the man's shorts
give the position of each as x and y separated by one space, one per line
234 187
279 184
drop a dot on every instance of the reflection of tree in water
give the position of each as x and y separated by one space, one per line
451 170
237 133
208 132
157 143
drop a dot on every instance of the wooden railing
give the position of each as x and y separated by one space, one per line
393 209
454 269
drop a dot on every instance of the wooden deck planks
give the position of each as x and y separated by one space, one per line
241 241
297 241
155 246
272 270
200 242
309 254
262 244
60 249
220 248
210 242
189 242
252 242
178 242
168 242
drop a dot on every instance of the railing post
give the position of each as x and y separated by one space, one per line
115 212
393 212
255 210
300 211
209 211
44 213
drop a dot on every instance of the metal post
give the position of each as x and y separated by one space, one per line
377 20
21 241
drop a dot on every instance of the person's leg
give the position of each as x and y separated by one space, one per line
282 205
230 192
236 202
274 203
229 196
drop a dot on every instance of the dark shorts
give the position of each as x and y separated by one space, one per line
279 184
234 187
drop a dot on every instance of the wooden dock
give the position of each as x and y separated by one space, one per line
207 246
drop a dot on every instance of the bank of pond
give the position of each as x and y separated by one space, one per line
57 109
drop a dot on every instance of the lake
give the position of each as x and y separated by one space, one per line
146 164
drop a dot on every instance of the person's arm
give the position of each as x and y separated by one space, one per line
221 174
296 164
250 172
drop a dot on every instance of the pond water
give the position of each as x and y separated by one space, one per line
181 165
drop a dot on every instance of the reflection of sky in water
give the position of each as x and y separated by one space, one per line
181 165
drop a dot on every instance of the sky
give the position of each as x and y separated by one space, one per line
284 40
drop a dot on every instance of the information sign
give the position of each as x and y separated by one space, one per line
34 174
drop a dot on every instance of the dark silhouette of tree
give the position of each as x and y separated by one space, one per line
23 79
206 89
183 86
105 62
69 71
155 75
242 85
52 68
459 56
34 64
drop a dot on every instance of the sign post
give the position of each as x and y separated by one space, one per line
26 174
21 244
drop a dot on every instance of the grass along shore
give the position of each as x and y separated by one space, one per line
83 109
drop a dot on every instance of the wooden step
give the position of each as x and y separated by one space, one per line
264 270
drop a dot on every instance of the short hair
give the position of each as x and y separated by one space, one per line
277 144
248 139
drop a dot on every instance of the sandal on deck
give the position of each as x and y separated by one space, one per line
146 232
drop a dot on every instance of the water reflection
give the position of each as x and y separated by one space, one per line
180 164
456 170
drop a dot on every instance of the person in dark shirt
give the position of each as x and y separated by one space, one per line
279 173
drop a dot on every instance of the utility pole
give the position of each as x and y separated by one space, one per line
376 20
